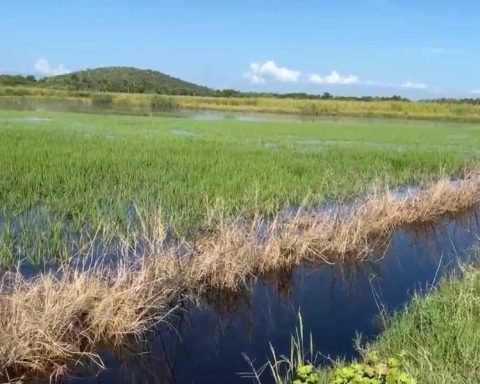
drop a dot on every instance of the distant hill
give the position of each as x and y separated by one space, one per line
124 79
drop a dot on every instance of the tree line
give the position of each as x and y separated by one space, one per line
134 80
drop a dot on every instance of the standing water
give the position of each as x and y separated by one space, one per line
205 341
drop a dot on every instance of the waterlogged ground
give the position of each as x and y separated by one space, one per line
64 176
83 172
336 303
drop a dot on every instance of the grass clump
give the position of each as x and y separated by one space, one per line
57 318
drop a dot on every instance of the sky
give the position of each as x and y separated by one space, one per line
413 48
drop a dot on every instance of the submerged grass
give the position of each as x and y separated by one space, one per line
65 177
59 317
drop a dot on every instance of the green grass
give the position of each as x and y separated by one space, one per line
61 173
439 333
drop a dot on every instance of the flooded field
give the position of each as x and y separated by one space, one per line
206 340
134 190
240 193
82 106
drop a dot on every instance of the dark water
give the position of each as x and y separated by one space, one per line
336 303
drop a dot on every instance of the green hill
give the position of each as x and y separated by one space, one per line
124 79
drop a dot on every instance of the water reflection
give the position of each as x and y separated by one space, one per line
205 340
84 106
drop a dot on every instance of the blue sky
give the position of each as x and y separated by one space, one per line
416 48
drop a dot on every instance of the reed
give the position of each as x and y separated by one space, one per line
385 108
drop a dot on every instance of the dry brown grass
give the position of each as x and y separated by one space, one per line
57 318
240 249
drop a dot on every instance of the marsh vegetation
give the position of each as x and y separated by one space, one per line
108 222
86 174
377 107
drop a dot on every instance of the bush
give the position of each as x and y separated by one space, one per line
101 99
79 93
17 92
163 103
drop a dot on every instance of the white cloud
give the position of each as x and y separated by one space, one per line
475 91
260 73
333 78
43 68
411 85
270 71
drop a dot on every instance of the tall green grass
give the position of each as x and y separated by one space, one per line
64 175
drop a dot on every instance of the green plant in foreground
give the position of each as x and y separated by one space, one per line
373 370
300 366
307 374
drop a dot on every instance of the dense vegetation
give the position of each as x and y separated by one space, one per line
134 80
73 100
94 169
16 80
438 333
475 101
124 79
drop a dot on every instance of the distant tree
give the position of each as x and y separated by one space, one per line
327 96
228 93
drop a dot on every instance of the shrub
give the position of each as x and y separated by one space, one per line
101 99
163 103
16 92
